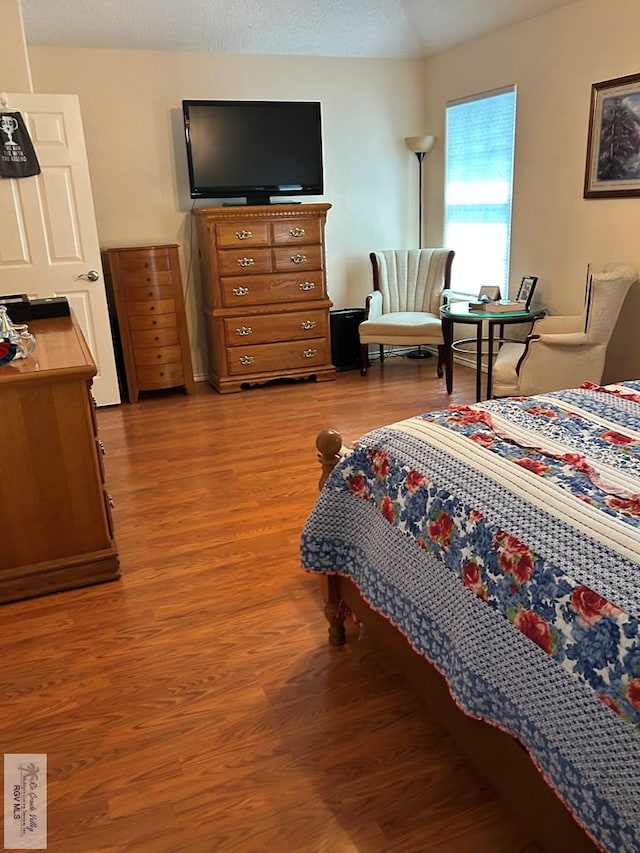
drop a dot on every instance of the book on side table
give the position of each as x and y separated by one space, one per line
501 306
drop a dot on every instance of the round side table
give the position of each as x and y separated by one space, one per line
459 312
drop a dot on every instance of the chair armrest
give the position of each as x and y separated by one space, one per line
559 324
558 361
373 305
450 296
575 339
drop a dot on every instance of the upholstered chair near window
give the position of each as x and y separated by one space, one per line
564 352
404 307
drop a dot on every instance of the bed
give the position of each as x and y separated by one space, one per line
502 540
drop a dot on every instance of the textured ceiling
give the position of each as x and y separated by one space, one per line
346 28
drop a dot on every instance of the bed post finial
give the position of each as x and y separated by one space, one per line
329 446
330 449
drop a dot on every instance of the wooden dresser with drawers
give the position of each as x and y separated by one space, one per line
57 530
264 293
146 304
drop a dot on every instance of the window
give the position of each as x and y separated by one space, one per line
478 189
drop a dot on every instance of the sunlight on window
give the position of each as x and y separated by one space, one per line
478 190
481 257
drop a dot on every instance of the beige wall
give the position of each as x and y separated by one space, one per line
131 102
14 62
553 60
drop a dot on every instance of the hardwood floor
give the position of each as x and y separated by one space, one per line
195 705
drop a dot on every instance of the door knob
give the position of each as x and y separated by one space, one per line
92 275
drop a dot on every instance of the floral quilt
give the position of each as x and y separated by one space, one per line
503 539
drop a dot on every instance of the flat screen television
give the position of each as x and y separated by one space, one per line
253 149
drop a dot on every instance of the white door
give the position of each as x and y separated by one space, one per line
48 236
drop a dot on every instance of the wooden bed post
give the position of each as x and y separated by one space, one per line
334 614
329 446
330 449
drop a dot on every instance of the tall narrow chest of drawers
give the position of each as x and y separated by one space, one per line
146 304
264 293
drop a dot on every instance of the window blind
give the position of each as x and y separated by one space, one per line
480 135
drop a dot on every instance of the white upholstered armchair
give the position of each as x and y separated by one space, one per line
564 352
404 307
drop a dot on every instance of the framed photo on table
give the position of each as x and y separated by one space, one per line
525 291
613 147
489 292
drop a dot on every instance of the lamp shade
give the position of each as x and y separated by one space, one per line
420 144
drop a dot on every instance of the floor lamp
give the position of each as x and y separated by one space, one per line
420 145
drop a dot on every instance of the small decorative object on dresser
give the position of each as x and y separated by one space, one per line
146 305
16 341
264 295
8 343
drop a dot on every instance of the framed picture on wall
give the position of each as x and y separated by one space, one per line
613 144
525 291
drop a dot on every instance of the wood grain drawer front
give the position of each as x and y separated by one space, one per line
290 355
276 327
152 291
148 277
269 289
55 528
140 261
152 321
303 231
230 235
297 258
262 272
238 262
151 308
155 337
152 377
144 290
156 355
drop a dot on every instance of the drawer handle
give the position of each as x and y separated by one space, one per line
310 353
246 359
246 262
243 331
307 285
240 291
244 234
110 501
297 232
308 324
102 447
298 259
